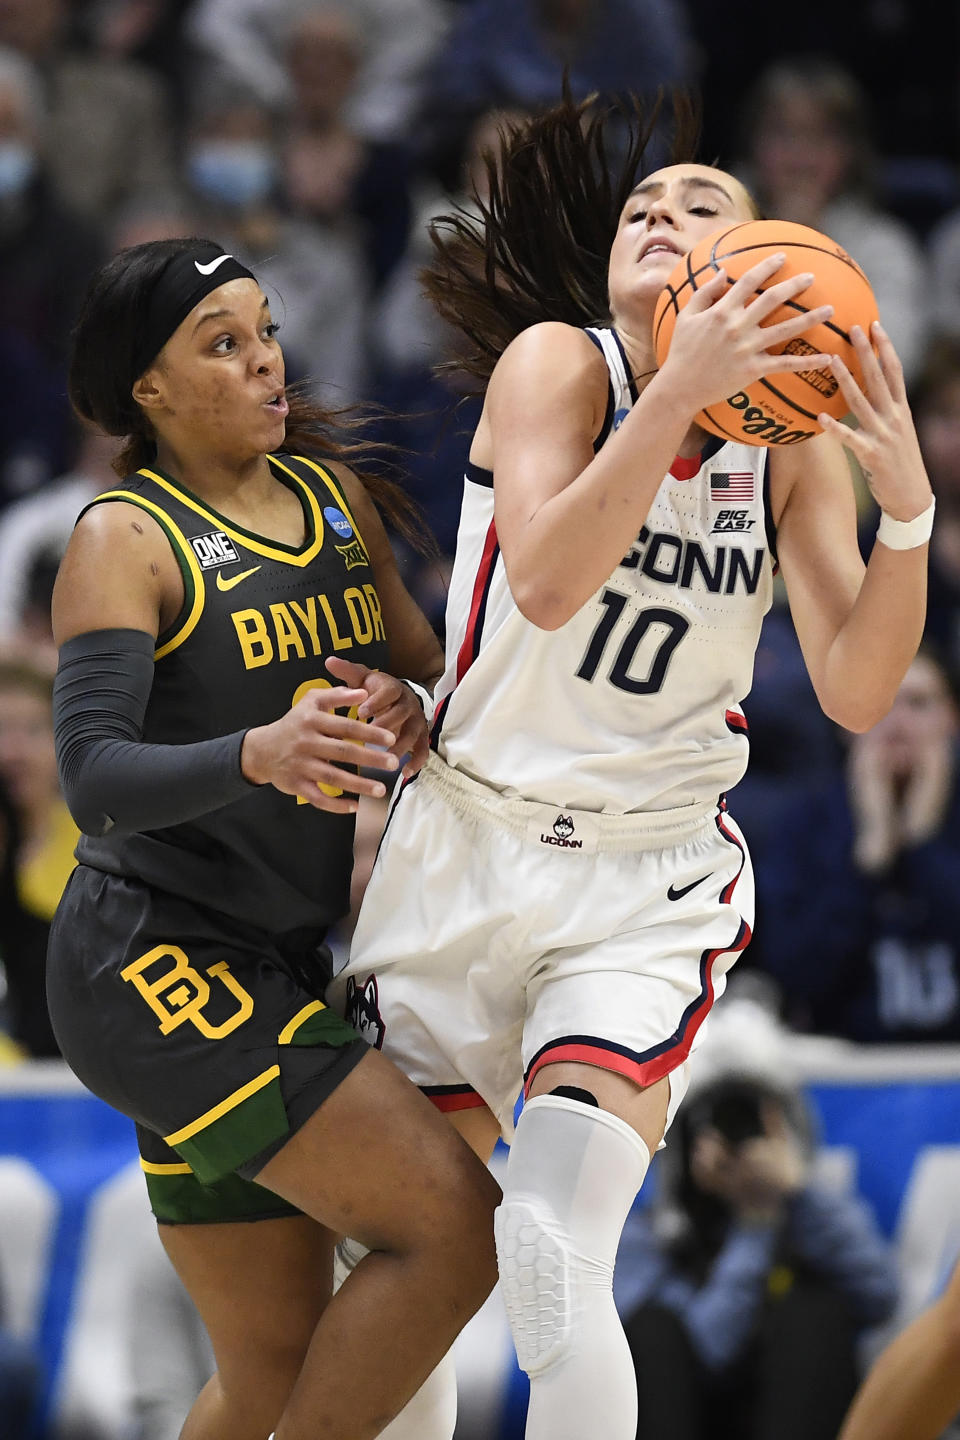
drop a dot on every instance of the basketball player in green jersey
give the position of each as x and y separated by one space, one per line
223 615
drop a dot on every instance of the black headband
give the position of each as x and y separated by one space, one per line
183 282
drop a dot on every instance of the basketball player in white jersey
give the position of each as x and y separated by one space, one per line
561 892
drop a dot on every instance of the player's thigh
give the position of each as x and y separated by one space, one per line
479 1127
643 1107
376 1161
260 1287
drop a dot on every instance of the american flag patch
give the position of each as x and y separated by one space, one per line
727 485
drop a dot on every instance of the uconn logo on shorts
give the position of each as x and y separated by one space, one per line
362 1011
563 828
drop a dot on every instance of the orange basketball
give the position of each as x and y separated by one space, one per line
782 409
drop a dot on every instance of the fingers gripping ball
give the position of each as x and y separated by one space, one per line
782 409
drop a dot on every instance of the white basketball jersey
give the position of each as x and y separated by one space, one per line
634 703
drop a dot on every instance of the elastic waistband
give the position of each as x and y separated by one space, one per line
562 829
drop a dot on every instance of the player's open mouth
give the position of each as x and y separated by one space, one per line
657 247
278 404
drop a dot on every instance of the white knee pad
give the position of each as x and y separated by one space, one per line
573 1174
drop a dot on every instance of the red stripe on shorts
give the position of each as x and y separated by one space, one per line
463 1100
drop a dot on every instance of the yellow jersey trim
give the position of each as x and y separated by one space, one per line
246 538
292 1026
177 538
331 484
152 1169
225 1106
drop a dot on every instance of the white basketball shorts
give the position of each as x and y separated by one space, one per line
498 936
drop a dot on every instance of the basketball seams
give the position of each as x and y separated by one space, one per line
787 399
791 245
776 405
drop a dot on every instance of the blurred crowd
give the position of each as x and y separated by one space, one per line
316 139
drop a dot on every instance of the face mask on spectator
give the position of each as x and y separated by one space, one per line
236 173
17 166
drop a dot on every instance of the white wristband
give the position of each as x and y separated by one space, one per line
906 534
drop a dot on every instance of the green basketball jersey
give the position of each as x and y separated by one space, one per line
259 619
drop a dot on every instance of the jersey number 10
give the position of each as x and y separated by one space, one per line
619 672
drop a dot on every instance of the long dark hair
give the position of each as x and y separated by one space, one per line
102 374
537 248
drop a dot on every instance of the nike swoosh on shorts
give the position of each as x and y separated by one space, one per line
674 894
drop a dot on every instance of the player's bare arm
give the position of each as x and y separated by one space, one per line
545 406
858 627
139 585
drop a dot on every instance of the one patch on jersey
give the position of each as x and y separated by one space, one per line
732 522
728 486
214 550
619 417
338 521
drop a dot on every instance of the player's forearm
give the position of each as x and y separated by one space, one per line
878 640
110 779
576 539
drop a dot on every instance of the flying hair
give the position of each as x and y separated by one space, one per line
537 248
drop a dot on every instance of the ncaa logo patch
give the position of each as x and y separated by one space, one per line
362 1011
338 521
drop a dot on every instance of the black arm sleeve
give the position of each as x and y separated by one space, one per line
110 780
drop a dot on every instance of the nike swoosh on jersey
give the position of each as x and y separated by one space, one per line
674 894
209 269
235 579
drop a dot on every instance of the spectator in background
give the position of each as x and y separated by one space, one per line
237 180
247 40
808 157
44 846
861 887
146 31
20 1378
935 400
47 255
109 136
34 534
426 420
944 244
746 1286
332 170
611 46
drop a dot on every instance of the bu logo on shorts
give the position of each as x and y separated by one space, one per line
181 993
563 828
362 1011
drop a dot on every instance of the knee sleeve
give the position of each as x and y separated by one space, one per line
573 1174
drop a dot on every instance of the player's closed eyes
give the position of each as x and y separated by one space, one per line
693 210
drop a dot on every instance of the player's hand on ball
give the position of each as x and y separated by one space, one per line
720 344
392 705
885 442
311 745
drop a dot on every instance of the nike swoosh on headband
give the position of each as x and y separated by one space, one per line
209 269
